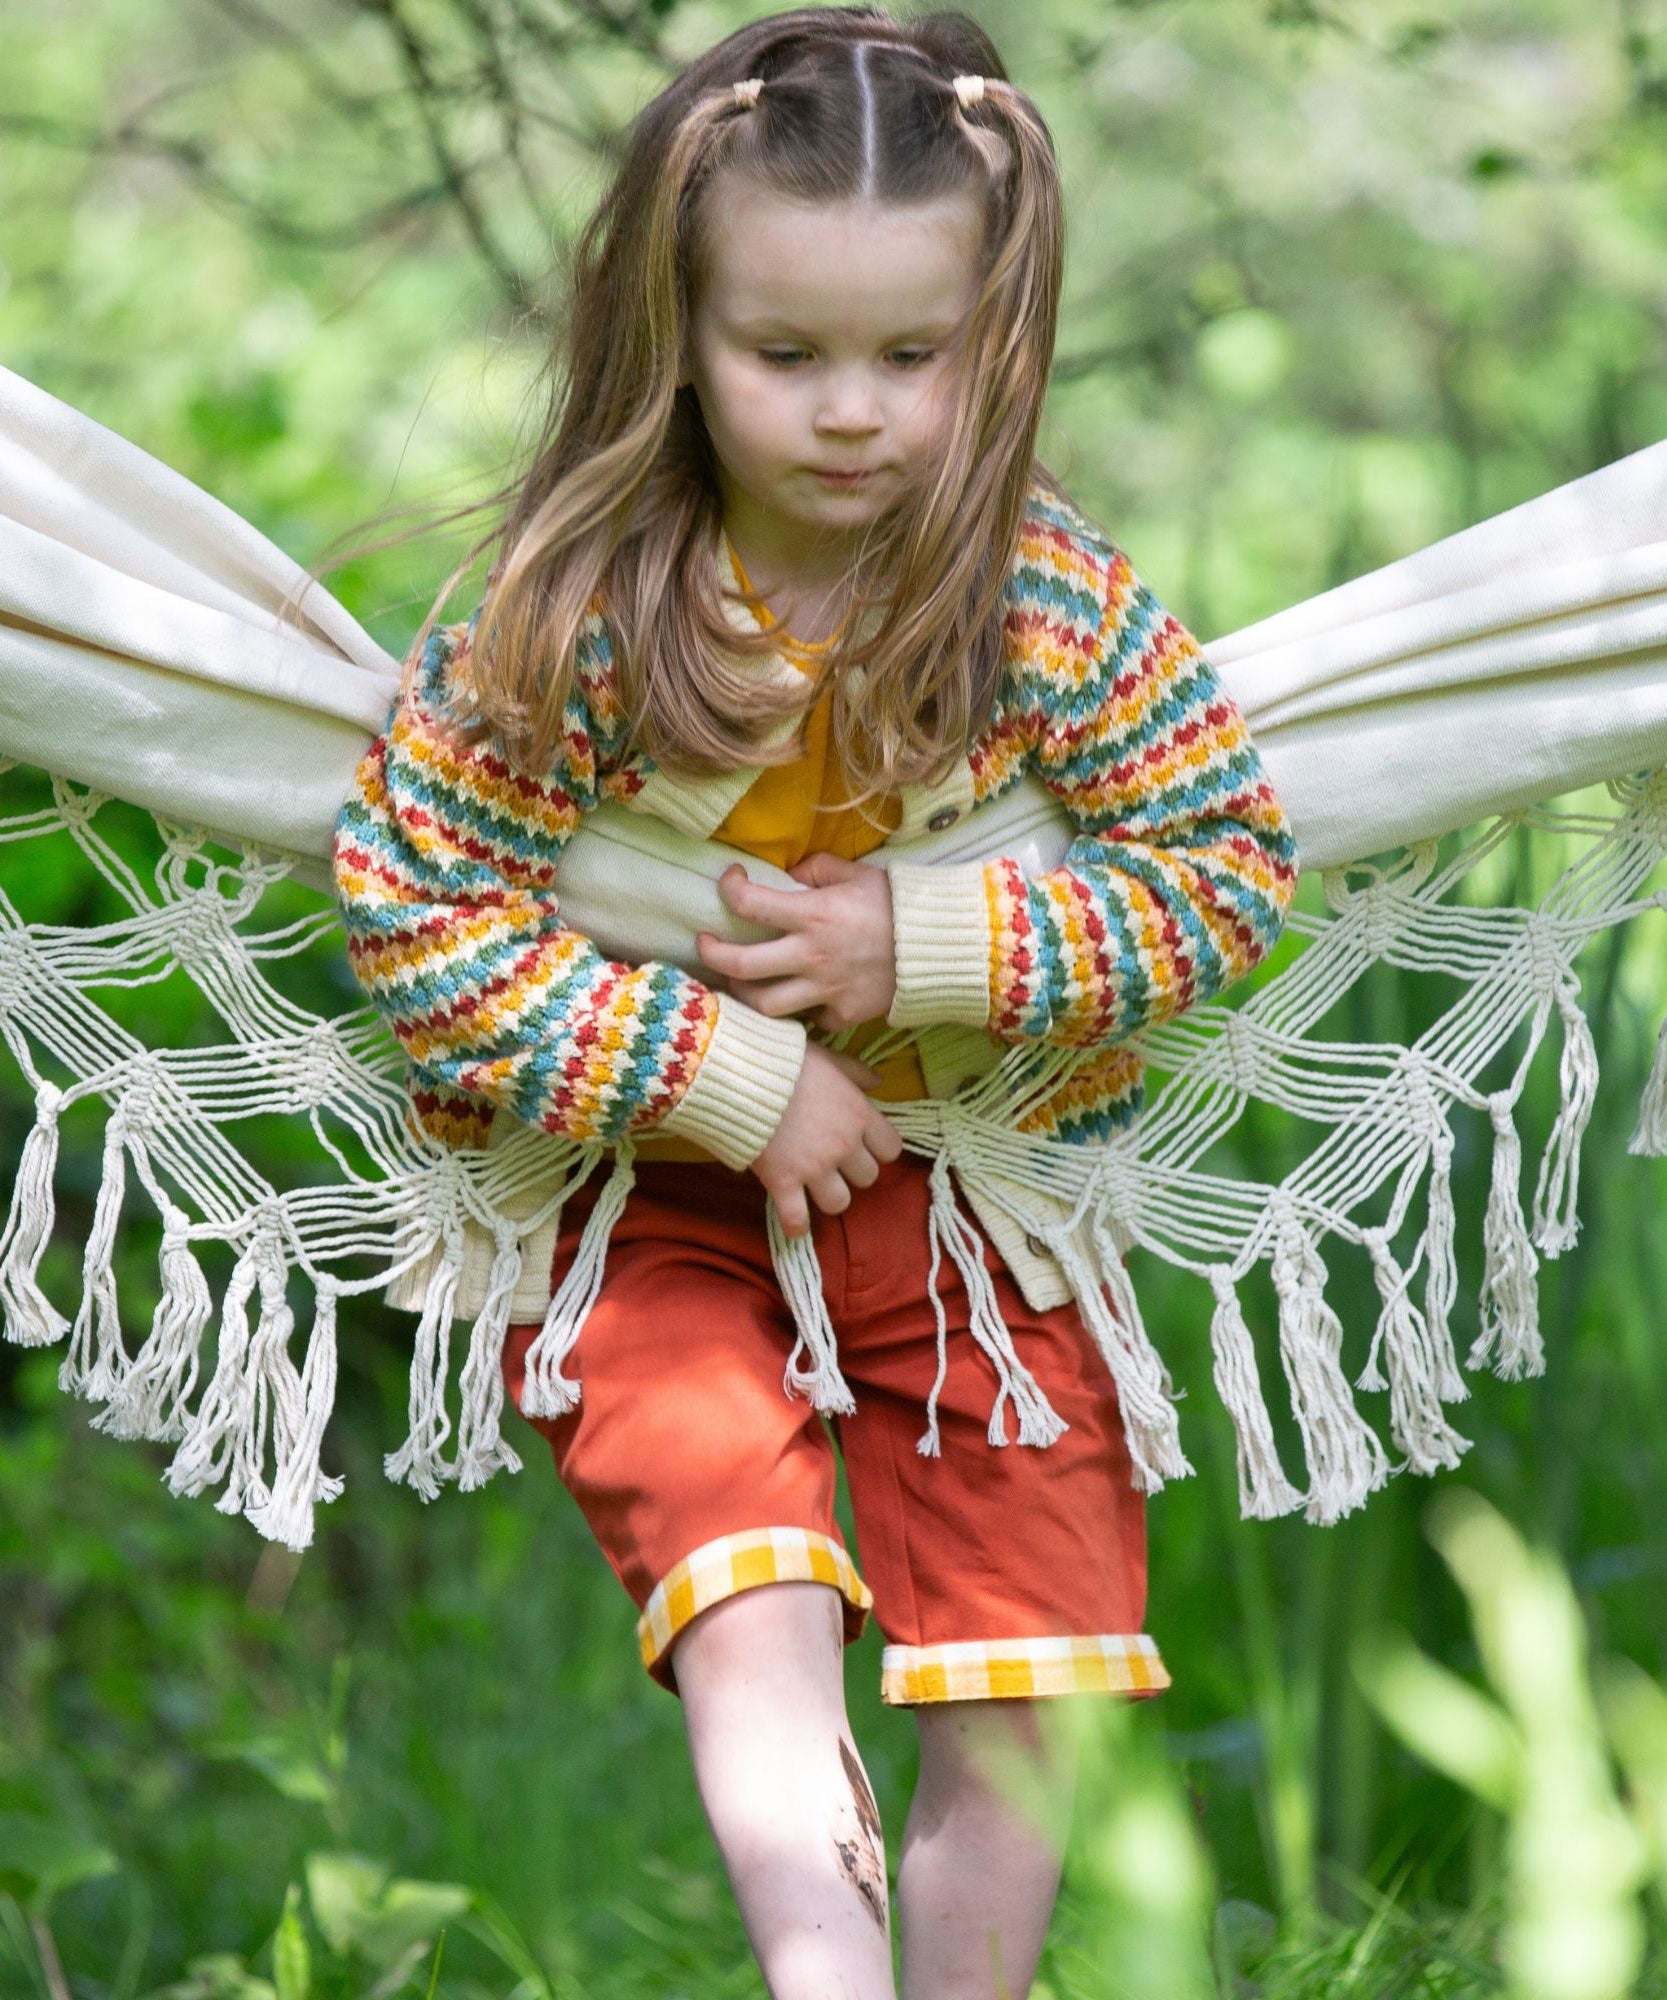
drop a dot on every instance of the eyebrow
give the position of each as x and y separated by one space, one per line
765 323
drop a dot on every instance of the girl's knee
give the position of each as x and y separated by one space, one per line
772 1630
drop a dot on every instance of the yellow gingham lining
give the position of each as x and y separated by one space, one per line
718 1569
989 1669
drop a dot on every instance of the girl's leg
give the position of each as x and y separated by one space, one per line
977 1876
762 1679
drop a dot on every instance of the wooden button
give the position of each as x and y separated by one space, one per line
1035 1244
947 817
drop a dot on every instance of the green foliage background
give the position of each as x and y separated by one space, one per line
1343 280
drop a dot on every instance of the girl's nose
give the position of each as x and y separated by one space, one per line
849 407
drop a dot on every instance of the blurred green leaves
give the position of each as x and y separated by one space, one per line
1537 1752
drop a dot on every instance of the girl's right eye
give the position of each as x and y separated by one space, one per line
779 356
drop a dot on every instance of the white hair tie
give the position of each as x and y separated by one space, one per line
747 93
970 90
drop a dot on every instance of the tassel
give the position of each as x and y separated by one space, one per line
545 1390
1150 1425
270 1387
1441 1281
206 1442
799 1273
31 1319
1650 1138
287 1514
417 1462
1416 1422
928 1443
98 1376
1510 1291
1264 1491
481 1449
1559 1179
1345 1459
1039 1424
149 1401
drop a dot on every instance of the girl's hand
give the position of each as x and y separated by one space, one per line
837 951
832 1138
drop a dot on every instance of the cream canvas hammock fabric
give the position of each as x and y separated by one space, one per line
142 658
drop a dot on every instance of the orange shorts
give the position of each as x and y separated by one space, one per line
991 1571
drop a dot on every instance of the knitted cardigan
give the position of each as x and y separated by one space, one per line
1176 883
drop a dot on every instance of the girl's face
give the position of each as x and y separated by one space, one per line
825 340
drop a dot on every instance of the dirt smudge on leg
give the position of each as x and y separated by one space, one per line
863 1861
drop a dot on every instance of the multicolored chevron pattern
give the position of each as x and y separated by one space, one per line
1184 866
1176 885
445 865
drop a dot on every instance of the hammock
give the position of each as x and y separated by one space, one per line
1461 687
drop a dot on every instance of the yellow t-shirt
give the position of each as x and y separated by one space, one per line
789 811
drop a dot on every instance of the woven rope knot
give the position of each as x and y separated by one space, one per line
1547 953
319 1067
197 931
14 955
1239 1034
144 1089
48 1102
77 808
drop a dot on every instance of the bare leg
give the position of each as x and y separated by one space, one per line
762 1677
978 1875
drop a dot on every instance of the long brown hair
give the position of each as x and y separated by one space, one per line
619 511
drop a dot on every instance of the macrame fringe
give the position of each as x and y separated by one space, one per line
255 1380
1416 1422
1556 1217
303 1405
205 1445
1510 1316
1039 1424
31 1319
1144 1387
1441 1277
149 1401
546 1391
1345 1459
481 1448
417 1461
262 1395
799 1273
97 1362
1264 1491
928 1444
1650 1137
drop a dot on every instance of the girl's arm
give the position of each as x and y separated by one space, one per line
1178 880
445 860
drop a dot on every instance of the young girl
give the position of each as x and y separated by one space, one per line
786 573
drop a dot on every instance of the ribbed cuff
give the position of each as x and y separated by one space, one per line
737 1096
941 923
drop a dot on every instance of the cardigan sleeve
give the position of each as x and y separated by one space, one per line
1176 883
445 861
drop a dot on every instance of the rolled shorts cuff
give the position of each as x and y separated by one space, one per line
737 1562
1011 1669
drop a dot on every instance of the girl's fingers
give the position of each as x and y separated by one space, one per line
768 959
860 1168
780 996
748 898
794 1212
883 1139
831 1194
